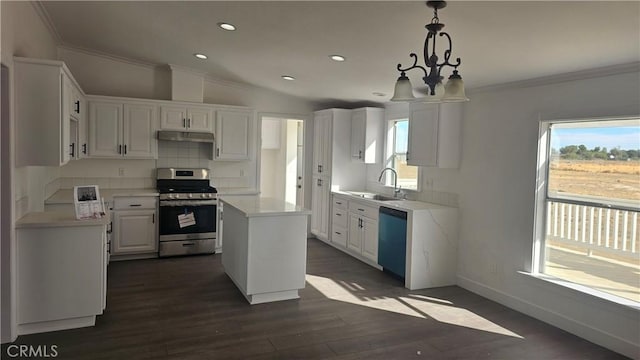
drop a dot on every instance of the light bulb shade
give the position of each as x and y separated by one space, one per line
440 91
454 90
403 90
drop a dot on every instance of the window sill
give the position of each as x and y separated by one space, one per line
584 290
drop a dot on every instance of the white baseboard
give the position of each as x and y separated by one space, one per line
551 317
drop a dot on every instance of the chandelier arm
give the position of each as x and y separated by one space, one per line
447 53
414 66
425 49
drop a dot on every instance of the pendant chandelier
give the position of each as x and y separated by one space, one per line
436 91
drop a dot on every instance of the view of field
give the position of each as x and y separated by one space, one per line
604 178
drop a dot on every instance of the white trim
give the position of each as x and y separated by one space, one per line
46 19
549 316
111 57
561 78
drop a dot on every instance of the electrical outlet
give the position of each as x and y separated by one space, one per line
120 171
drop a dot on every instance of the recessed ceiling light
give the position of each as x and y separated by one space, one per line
288 77
200 56
226 26
338 58
379 94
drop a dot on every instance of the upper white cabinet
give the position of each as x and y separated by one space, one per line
233 134
44 93
322 123
119 130
271 131
434 135
186 118
365 129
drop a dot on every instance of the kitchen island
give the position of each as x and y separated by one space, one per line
264 247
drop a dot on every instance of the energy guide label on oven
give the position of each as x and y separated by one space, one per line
187 219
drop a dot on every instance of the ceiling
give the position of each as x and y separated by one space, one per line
498 42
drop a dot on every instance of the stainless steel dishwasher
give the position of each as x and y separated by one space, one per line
392 240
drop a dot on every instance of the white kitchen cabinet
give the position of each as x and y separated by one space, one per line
43 97
186 118
365 129
61 275
118 130
134 225
233 134
434 134
363 230
322 123
320 208
339 221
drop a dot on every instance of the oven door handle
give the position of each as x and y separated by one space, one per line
188 202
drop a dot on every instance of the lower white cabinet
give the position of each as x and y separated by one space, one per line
363 236
134 225
61 276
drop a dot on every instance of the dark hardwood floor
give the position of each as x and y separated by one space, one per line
187 308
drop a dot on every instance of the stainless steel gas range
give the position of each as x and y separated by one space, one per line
187 214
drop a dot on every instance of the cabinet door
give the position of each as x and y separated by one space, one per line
233 130
173 118
140 124
199 119
322 144
358 126
354 241
320 198
105 130
135 231
67 139
423 135
370 239
83 120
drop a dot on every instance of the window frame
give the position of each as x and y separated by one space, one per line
537 265
389 154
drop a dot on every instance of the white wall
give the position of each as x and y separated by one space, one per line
496 193
23 34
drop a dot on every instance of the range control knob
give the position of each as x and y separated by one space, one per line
190 196
203 195
171 196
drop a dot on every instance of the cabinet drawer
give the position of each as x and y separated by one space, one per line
124 203
364 210
339 236
339 217
339 202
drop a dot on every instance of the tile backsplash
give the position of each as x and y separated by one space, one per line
178 154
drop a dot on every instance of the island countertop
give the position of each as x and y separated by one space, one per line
49 219
253 206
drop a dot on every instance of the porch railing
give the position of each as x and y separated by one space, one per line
605 230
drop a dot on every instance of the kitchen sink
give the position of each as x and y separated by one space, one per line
372 196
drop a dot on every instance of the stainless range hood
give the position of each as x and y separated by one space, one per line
185 136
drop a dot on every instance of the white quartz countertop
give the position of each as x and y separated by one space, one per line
56 219
253 206
65 196
406 205
236 191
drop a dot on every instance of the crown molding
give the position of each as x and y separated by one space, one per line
46 19
111 57
561 78
181 68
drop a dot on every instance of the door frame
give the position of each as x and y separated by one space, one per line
306 121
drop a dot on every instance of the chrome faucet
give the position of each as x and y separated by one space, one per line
396 191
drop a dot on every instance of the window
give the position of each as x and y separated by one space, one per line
396 155
588 204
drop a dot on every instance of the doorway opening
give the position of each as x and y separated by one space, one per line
282 159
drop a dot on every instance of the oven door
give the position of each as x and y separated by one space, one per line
204 213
